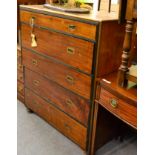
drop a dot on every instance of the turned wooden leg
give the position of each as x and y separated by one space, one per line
122 81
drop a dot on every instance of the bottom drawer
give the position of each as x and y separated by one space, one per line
58 119
119 107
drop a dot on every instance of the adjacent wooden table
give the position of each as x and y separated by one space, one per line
121 102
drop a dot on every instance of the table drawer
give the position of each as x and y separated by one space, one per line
60 24
118 107
20 76
58 119
69 78
20 88
75 52
72 104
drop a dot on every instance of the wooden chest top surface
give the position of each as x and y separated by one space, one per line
94 16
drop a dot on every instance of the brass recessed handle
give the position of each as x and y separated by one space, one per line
67 126
113 103
71 27
70 79
34 62
70 50
69 102
36 82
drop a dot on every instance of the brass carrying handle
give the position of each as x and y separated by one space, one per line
70 50
71 27
34 62
113 103
36 82
70 79
69 102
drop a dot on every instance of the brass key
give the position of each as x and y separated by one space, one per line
33 37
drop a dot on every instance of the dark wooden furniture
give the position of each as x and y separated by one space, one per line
129 46
72 51
20 80
121 102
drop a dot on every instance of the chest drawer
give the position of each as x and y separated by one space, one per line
66 77
118 107
75 52
58 119
70 103
60 24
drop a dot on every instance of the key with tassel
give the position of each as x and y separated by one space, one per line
33 36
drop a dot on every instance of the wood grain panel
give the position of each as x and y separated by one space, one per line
65 25
72 104
75 52
69 78
58 119
124 111
110 48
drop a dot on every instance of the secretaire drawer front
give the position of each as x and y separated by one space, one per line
70 103
58 119
68 78
123 110
60 24
72 51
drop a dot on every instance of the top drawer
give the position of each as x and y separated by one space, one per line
65 25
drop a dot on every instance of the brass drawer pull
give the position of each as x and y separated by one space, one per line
70 50
113 103
67 126
69 102
34 62
72 27
70 79
36 82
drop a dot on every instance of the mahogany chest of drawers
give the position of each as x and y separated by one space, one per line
60 72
